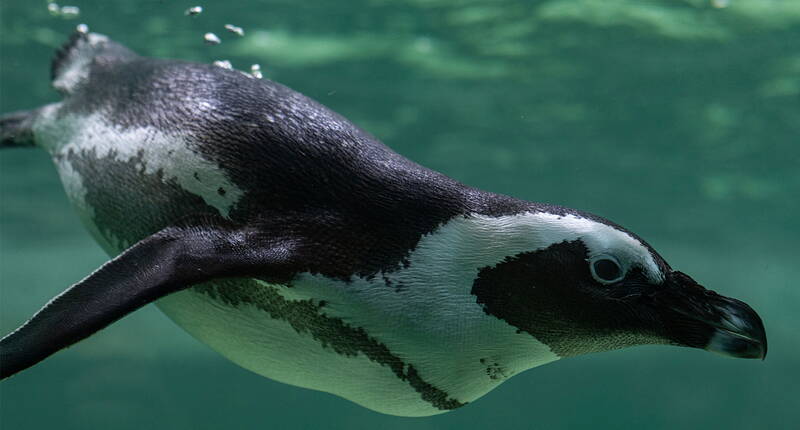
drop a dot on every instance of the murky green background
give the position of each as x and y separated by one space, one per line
678 119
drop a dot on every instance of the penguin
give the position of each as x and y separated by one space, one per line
301 248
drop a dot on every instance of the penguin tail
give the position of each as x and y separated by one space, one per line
72 62
16 129
70 68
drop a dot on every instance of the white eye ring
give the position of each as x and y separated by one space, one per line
606 269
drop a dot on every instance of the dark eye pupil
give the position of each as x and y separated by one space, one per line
606 270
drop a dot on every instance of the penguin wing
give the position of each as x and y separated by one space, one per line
171 260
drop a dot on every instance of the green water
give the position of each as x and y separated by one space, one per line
677 119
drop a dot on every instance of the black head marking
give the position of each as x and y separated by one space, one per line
552 295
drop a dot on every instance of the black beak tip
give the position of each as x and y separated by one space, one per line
741 335
704 319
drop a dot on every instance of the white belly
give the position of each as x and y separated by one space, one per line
274 348
386 352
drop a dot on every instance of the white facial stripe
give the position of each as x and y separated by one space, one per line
159 152
601 239
500 237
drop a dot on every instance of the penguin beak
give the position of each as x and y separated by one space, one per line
740 333
696 317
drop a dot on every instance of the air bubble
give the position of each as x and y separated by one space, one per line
225 64
211 39
194 11
255 71
82 28
67 12
70 11
234 29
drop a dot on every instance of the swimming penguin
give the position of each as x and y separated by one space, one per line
301 248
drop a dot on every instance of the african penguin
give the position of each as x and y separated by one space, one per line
302 248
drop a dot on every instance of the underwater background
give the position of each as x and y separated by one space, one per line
677 119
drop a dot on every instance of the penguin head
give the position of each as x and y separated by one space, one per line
588 285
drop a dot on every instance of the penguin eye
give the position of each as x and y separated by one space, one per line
605 269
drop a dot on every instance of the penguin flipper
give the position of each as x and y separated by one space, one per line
16 129
171 260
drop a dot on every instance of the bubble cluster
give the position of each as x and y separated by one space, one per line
70 11
212 39
209 38
67 12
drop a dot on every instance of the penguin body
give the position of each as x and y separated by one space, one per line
303 249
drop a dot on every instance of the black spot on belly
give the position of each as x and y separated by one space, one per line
221 191
305 317
130 203
494 370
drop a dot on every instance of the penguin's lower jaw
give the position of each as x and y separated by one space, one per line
737 344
